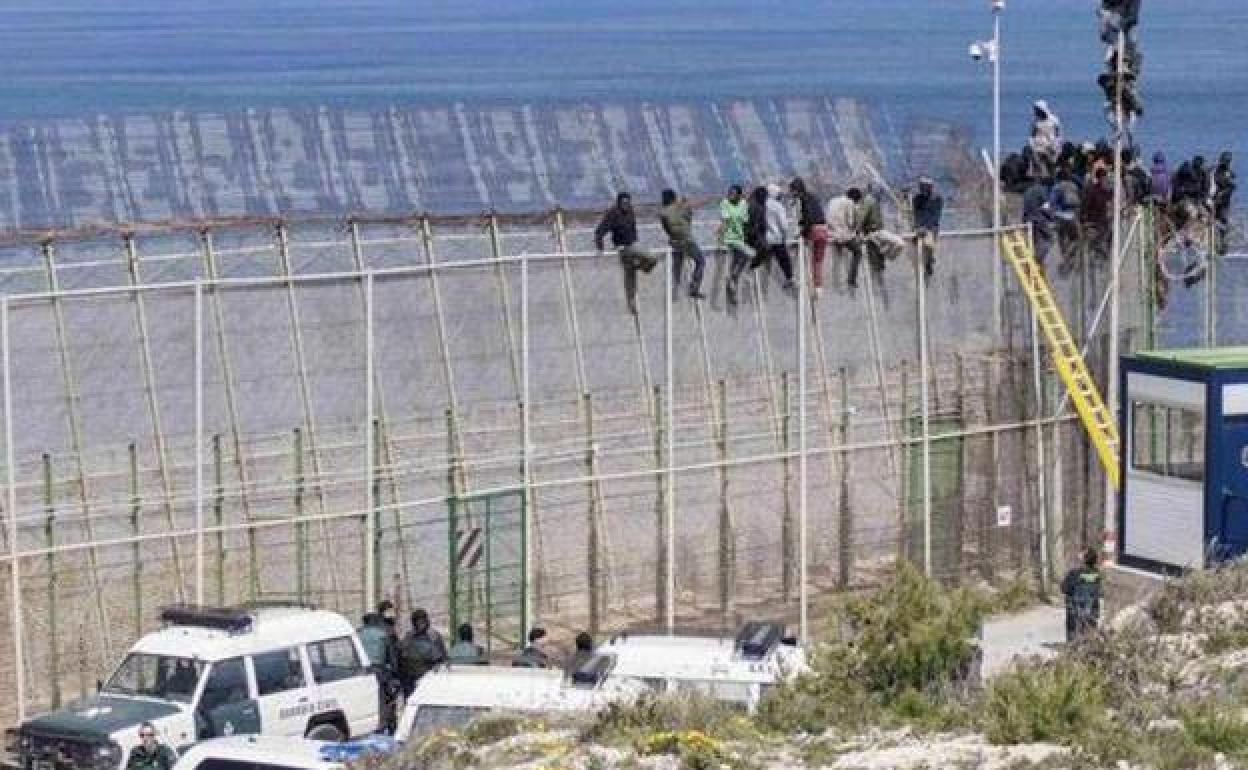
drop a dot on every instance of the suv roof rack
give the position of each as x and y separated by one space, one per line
277 604
229 619
757 639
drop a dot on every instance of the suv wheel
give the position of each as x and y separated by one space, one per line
325 732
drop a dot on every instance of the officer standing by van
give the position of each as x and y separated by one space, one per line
150 754
421 651
383 657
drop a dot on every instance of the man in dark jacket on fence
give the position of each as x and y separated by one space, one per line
1223 191
1094 214
928 209
422 650
1082 589
620 222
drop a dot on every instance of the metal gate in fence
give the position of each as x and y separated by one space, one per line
488 566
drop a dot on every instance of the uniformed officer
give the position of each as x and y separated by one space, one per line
1082 589
383 657
422 649
150 754
583 654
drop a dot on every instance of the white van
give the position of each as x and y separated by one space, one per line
452 697
737 670
277 670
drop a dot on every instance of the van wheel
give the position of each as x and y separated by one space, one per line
325 732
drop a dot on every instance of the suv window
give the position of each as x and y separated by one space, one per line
334 659
278 671
227 683
216 763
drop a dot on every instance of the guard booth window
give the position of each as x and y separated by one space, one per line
1168 441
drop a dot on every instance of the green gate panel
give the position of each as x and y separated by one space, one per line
488 573
947 498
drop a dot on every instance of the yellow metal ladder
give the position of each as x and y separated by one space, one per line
1098 421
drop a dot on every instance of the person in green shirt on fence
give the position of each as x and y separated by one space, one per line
734 212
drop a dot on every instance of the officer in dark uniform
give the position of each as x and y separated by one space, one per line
584 652
383 657
1082 589
150 754
422 650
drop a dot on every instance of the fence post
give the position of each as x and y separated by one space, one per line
591 560
136 507
375 502
660 513
49 534
300 534
963 462
218 513
786 522
988 525
845 537
903 503
727 539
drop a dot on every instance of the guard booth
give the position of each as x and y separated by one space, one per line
1183 501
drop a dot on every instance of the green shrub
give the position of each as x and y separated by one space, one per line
1217 726
492 729
622 723
1052 701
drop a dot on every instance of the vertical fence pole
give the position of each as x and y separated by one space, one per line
591 561
660 513
199 443
670 434
1111 364
49 536
526 438
218 513
136 551
925 409
15 551
372 549
727 543
786 522
803 307
845 537
988 531
301 565
903 480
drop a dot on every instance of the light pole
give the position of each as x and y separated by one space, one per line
991 50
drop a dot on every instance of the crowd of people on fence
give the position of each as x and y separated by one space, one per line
759 229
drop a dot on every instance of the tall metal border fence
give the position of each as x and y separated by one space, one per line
287 410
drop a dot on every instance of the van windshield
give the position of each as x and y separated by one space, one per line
156 676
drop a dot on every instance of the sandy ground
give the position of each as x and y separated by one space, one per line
1032 632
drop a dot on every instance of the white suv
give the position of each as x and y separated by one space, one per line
284 671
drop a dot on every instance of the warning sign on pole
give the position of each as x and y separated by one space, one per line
1005 515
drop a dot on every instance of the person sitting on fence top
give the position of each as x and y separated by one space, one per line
534 655
812 225
1223 191
1160 180
1046 134
842 216
1039 215
620 222
1095 212
776 242
929 207
676 216
465 651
